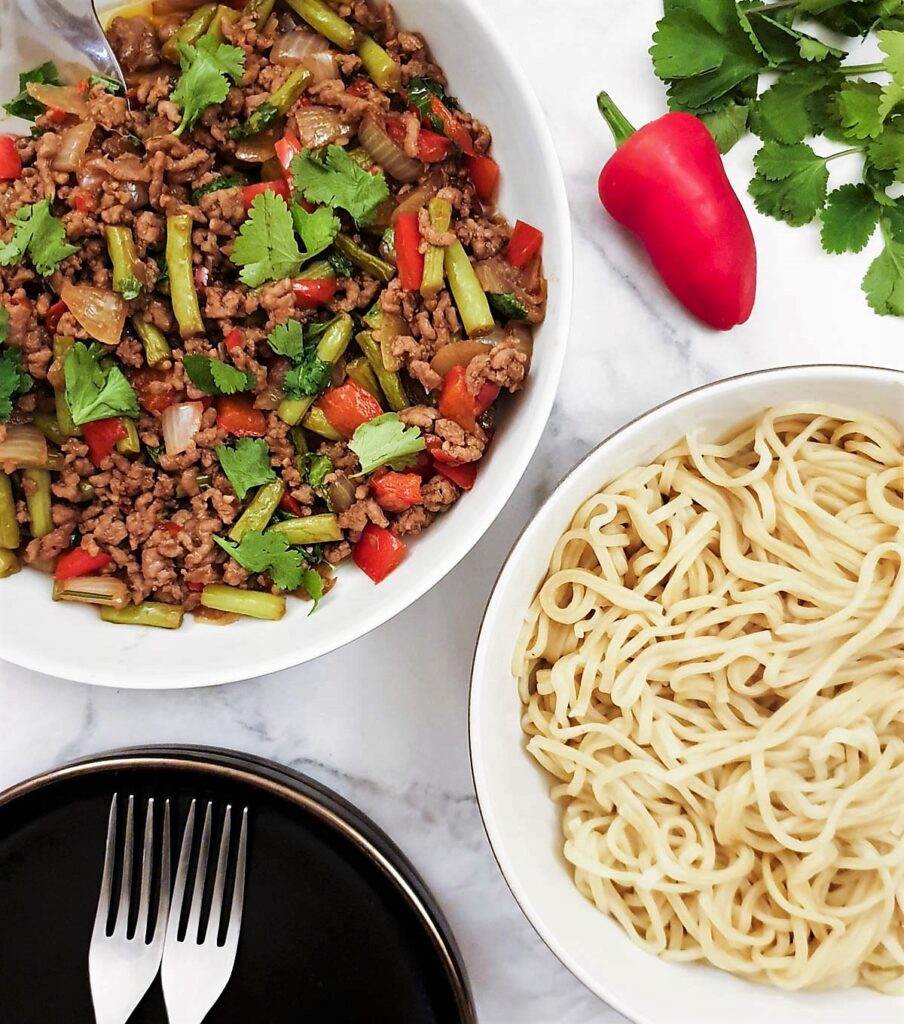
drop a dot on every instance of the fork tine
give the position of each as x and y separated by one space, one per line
219 885
238 888
103 902
193 931
163 904
125 887
172 928
147 867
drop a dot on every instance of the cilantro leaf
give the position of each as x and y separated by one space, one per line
858 105
728 125
110 84
312 584
887 151
267 552
260 120
214 377
317 230
788 111
884 281
14 381
386 441
791 182
340 263
849 219
24 106
307 378
266 249
288 340
129 287
92 392
507 305
247 464
420 93
335 180
206 70
41 235
315 468
224 181
4 324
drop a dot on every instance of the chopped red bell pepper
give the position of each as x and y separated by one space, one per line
313 292
378 552
423 464
237 416
173 529
10 161
452 128
154 389
408 251
78 562
432 148
287 148
359 87
195 588
462 476
348 406
484 174
457 403
53 315
396 492
435 448
84 200
101 437
233 339
251 192
288 504
525 243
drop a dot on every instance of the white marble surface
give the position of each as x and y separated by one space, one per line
385 721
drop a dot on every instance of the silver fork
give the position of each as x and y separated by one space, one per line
122 965
197 968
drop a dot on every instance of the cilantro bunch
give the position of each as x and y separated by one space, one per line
713 53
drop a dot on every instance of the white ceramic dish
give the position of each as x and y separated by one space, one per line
492 85
522 822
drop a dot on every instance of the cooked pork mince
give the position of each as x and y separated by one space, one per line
256 316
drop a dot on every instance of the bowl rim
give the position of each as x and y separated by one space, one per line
135 677
498 845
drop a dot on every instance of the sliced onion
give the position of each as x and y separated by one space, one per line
310 49
67 98
319 126
274 392
392 326
104 590
213 617
259 148
412 201
458 353
99 310
74 144
180 423
529 286
383 151
23 447
341 493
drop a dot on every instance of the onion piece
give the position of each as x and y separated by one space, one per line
74 144
23 447
212 617
412 201
104 590
341 493
383 151
180 424
529 286
458 353
319 126
274 392
67 98
99 310
259 148
392 326
310 49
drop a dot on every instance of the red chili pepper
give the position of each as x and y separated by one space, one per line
287 148
484 174
313 292
101 437
396 492
83 86
251 192
55 115
53 315
348 406
84 200
154 389
408 251
525 243
378 552
173 529
237 416
432 148
457 403
288 504
358 88
195 588
462 476
667 184
233 339
10 161
78 562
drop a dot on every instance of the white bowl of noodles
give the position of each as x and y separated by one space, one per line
648 724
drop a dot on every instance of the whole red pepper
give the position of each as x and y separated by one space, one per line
667 184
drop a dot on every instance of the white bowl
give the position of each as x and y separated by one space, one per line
66 640
521 820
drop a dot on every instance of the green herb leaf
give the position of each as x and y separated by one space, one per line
859 109
884 281
214 377
420 93
14 381
849 219
315 468
266 249
887 151
4 324
728 125
224 181
41 235
386 441
260 120
22 105
789 110
317 230
288 340
507 305
343 266
791 182
335 180
129 288
247 464
93 392
307 378
268 552
206 70
110 84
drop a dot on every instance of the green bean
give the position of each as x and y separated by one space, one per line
260 511
62 346
471 299
331 347
317 423
181 274
319 270
367 261
190 32
361 372
148 613
326 22
49 426
390 382
386 73
260 9
309 529
222 15
9 525
38 501
254 603
9 564
434 260
128 445
299 440
156 347
124 257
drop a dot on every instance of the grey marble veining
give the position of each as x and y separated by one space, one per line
384 721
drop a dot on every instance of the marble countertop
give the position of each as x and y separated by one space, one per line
391 736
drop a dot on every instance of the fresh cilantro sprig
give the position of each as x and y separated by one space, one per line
270 552
332 178
95 392
386 441
25 106
309 373
37 232
266 248
206 71
247 465
315 469
14 381
214 377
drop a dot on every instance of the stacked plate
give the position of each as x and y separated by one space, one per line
337 923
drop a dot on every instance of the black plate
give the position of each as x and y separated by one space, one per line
337 925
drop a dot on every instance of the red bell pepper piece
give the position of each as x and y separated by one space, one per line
667 184
452 128
313 292
359 87
10 161
525 243
423 464
173 529
287 148
251 192
101 437
288 504
348 406
408 251
53 315
84 200
78 562
432 148
378 552
462 476
154 389
457 403
396 492
484 174
237 416
435 449
233 339
55 115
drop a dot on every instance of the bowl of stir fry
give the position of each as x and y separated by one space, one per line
280 328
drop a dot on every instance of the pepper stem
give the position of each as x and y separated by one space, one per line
621 127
